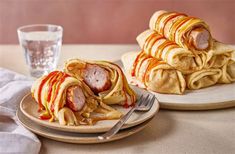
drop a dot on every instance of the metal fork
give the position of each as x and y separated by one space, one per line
143 104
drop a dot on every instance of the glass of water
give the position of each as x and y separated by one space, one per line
41 45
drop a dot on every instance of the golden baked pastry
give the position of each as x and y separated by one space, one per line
154 75
188 32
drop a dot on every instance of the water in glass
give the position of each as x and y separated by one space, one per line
42 51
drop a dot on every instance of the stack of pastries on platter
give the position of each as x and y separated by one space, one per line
82 93
177 53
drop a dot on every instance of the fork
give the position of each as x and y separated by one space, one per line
143 104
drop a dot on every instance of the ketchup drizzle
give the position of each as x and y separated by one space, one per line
157 39
135 65
160 18
168 19
179 25
57 90
154 64
41 86
163 46
51 82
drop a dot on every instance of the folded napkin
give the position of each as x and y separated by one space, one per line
14 138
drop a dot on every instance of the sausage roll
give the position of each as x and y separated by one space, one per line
156 45
154 75
188 32
70 101
105 79
203 78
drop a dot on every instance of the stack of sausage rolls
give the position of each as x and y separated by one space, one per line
82 93
178 52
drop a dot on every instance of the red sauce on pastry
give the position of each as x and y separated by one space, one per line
160 18
147 42
168 19
51 83
179 25
41 86
154 64
57 90
163 46
155 36
133 71
141 61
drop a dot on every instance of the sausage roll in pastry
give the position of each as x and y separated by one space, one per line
68 100
188 32
156 45
155 75
105 79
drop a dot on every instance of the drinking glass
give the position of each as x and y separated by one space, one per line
41 45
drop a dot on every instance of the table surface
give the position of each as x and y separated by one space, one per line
194 132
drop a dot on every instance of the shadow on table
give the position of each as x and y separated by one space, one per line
161 126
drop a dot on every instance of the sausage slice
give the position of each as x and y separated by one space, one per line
97 78
199 38
75 98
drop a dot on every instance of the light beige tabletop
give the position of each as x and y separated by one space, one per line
170 132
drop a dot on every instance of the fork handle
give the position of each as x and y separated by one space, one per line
117 126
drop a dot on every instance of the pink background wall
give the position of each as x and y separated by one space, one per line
110 21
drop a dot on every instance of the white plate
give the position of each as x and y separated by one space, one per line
69 137
29 108
215 97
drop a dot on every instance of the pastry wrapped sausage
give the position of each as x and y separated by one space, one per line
105 79
203 78
156 45
153 74
66 99
188 32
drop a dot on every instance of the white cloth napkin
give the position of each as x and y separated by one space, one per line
14 138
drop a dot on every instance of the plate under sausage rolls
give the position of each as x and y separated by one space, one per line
154 75
188 32
203 78
156 45
105 79
66 99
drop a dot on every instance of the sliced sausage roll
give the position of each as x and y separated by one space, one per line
156 45
188 32
65 98
105 79
154 75
203 78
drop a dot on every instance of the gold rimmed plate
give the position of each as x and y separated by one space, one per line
29 108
